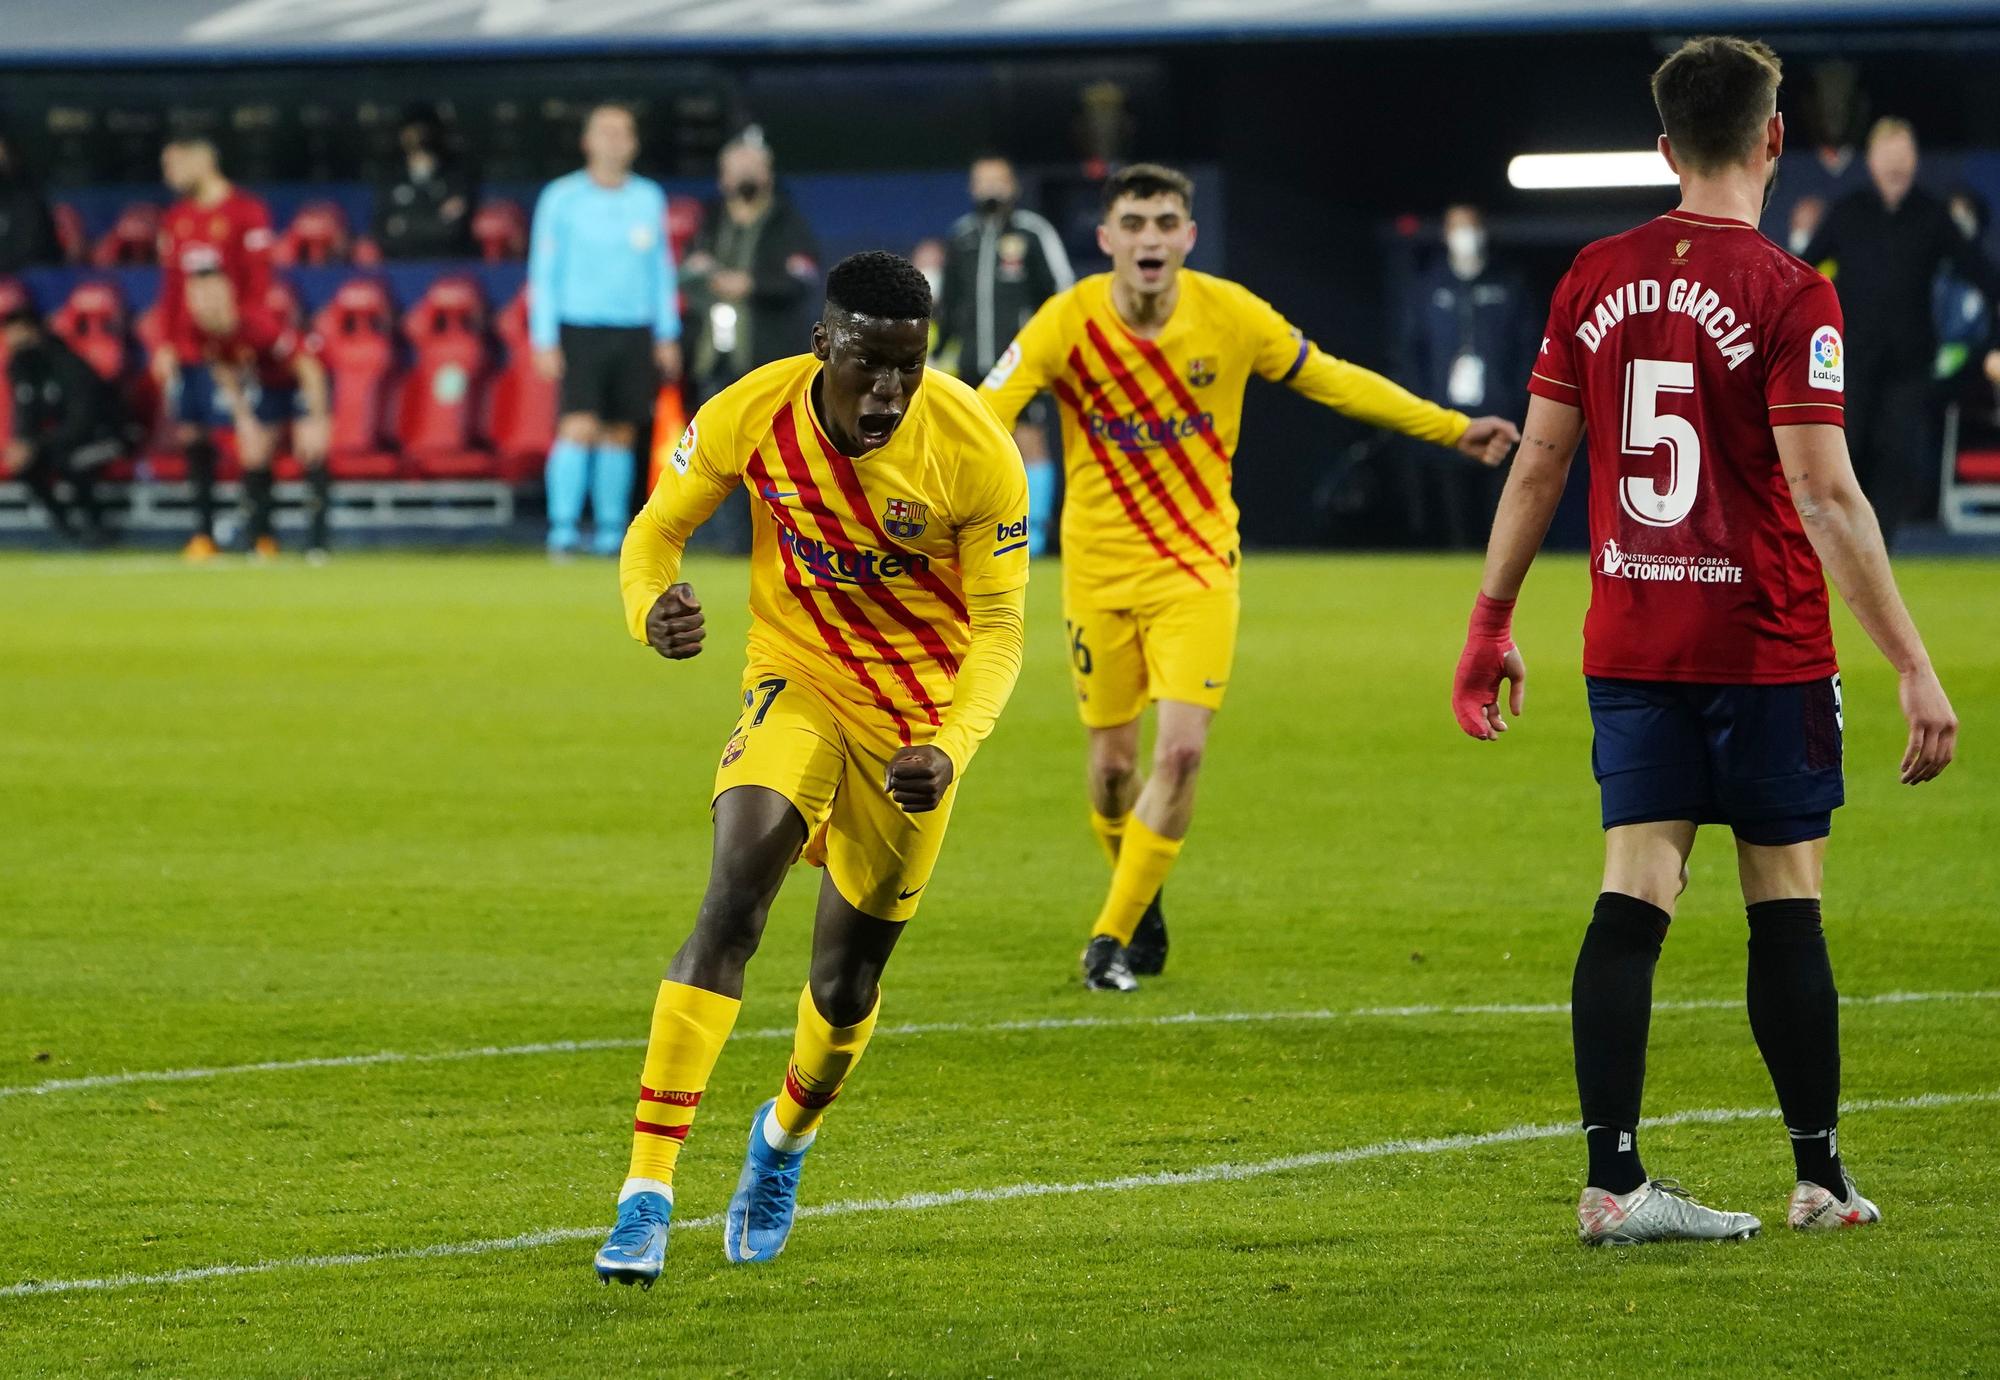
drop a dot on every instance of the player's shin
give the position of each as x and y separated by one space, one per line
1611 1011
257 502
823 1055
201 461
319 500
1145 857
690 1025
612 469
1795 1016
567 480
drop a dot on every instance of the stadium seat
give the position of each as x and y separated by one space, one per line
435 421
500 229
523 421
93 322
71 237
12 296
358 344
133 239
366 253
317 237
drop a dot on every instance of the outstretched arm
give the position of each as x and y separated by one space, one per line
1842 528
1534 488
658 611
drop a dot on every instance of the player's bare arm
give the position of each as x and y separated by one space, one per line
675 625
1842 528
1527 505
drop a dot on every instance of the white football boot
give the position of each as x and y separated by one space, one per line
1816 1209
1657 1210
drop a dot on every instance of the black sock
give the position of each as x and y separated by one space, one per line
1611 1010
201 475
319 497
257 495
1795 1015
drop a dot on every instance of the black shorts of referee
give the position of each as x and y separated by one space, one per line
609 373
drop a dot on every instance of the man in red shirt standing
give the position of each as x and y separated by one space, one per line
215 289
1706 366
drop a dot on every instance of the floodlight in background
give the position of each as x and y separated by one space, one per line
1539 172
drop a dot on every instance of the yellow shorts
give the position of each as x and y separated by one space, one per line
792 740
1122 659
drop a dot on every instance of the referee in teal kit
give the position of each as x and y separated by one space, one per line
603 317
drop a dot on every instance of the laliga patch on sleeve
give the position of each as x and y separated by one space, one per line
684 452
1823 367
1004 367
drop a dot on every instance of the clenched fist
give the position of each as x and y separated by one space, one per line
674 626
918 777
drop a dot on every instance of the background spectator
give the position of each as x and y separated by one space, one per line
1469 337
1002 261
604 318
27 234
1884 247
426 213
65 424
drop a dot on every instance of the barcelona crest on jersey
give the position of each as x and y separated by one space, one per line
904 519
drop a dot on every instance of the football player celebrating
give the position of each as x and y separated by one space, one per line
889 572
1149 363
1705 364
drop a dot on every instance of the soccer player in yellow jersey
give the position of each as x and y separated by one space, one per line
889 570
1149 363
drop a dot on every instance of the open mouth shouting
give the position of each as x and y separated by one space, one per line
873 429
1152 268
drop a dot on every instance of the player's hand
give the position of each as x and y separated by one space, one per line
1993 367
166 367
917 778
1490 657
1933 725
674 626
310 439
18 454
549 362
1489 440
667 354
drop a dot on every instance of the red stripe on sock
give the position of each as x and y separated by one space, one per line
647 1128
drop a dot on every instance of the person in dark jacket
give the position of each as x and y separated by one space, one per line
1469 336
427 212
27 232
65 424
1883 247
1002 261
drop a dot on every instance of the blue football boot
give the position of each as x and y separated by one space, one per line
767 1194
637 1247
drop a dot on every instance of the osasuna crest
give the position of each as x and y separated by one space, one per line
1201 372
904 519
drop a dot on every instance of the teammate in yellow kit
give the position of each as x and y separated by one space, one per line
889 569
1149 363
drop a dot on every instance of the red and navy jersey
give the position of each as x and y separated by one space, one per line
268 347
232 237
1686 342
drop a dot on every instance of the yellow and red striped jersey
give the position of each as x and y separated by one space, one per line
1150 426
862 570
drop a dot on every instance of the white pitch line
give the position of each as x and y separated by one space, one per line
1227 1171
448 1056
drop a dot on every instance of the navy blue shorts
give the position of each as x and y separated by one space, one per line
1763 759
198 402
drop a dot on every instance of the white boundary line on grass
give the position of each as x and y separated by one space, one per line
447 1056
1227 1171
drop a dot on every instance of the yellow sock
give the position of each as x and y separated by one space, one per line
689 1026
1110 832
1144 860
822 1057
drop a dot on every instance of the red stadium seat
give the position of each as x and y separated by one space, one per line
357 341
523 423
1979 467
500 229
317 236
93 322
71 237
436 420
12 297
134 238
683 224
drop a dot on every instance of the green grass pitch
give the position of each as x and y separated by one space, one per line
425 806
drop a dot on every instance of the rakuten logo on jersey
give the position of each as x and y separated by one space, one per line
1619 564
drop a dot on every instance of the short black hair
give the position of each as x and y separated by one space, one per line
1714 96
880 284
1146 180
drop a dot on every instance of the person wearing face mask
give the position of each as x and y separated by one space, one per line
426 212
1884 246
1001 263
1469 337
27 234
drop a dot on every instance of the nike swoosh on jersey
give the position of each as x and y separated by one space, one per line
1213 684
906 895
770 492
